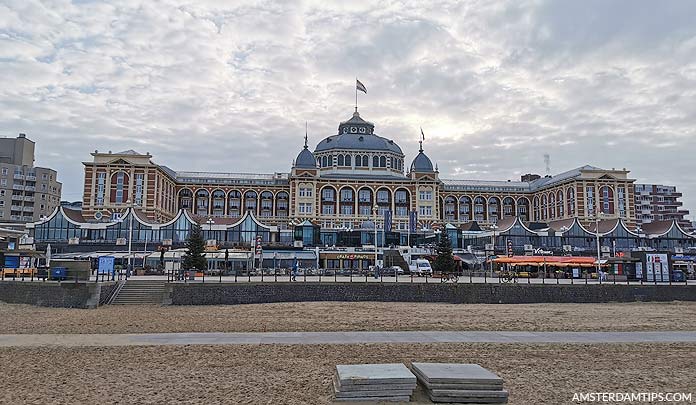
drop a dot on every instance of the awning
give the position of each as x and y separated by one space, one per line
557 261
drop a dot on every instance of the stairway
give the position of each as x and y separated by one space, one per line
392 257
140 292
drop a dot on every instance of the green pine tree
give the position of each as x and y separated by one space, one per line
194 258
444 262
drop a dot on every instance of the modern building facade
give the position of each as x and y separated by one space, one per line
351 179
27 192
655 202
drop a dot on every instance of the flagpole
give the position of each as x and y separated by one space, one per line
356 94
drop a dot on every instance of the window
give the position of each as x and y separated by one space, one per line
341 162
327 194
375 161
43 207
327 209
426 195
101 187
622 201
4 171
364 210
139 180
425 210
401 211
120 177
305 192
3 182
346 210
2 203
590 199
382 196
305 208
2 193
44 176
365 161
400 196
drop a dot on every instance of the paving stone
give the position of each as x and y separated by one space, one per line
374 374
374 399
442 373
372 387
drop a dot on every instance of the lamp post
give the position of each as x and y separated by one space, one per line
599 253
374 213
210 223
130 236
493 227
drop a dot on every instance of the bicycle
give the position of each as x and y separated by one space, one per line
445 277
508 276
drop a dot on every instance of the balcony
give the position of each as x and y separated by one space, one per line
30 199
30 188
15 218
17 197
30 178
27 208
16 208
17 187
18 176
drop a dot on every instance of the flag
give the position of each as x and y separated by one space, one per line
387 221
412 221
360 86
422 134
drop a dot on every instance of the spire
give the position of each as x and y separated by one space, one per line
421 146
305 135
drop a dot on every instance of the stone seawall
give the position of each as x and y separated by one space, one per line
256 293
64 295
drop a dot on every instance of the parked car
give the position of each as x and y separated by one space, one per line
392 271
421 267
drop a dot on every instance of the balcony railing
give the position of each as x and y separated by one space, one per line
16 197
31 199
17 187
27 208
30 188
30 178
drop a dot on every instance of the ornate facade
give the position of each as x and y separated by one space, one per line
349 179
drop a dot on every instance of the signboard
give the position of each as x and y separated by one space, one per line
510 251
259 249
639 270
528 248
74 241
542 252
657 266
24 262
606 249
567 248
106 265
116 217
166 242
120 241
354 256
11 262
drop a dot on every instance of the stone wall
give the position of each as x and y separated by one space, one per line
51 294
254 293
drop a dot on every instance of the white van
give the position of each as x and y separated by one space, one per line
421 267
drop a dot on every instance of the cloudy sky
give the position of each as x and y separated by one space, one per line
495 85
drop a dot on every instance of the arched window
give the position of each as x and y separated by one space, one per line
465 209
365 161
606 194
383 161
559 204
250 201
358 161
202 202
340 160
571 201
234 203
348 160
375 161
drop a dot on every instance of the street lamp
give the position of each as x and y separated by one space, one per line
493 227
130 236
374 213
599 254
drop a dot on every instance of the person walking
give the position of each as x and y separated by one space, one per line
294 271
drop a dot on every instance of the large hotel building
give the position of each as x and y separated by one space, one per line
339 184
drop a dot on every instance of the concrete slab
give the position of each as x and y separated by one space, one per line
468 401
375 399
374 374
371 387
455 373
469 394
492 386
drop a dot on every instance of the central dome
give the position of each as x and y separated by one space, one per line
357 134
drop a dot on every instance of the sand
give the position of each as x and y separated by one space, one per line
534 374
340 316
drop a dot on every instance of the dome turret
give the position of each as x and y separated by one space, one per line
422 162
305 159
